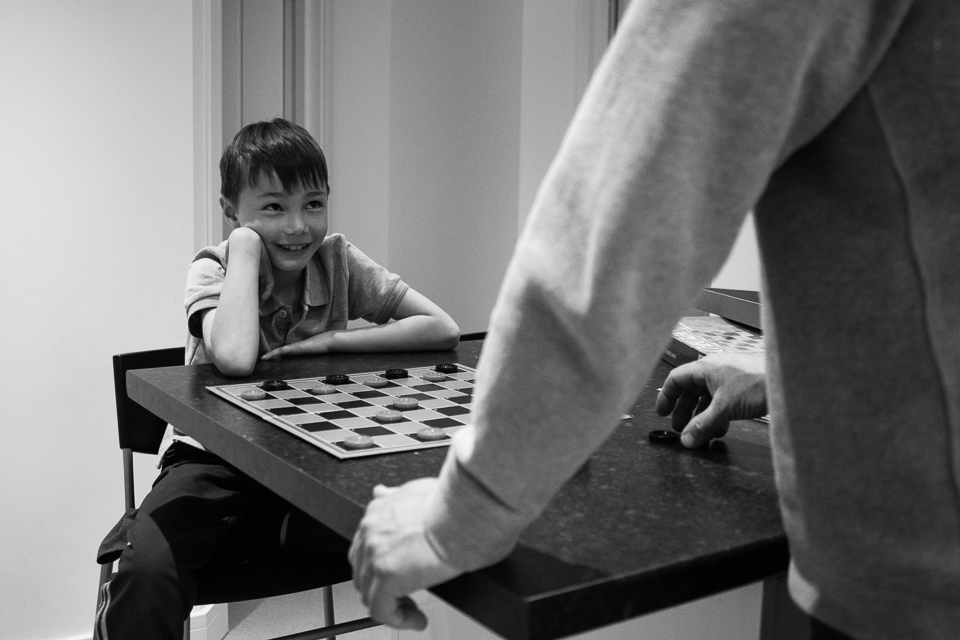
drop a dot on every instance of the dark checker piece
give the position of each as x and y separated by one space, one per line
662 437
393 374
446 368
274 385
336 378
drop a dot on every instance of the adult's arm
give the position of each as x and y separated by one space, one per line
687 117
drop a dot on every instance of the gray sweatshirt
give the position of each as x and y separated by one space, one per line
838 123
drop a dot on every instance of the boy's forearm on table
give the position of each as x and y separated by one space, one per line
414 332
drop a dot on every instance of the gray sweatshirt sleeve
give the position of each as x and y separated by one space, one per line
689 113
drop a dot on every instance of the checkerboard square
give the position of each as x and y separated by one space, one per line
286 411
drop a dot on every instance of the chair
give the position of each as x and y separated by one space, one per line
142 432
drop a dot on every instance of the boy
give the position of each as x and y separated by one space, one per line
277 286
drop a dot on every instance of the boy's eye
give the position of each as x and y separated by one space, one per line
273 206
315 204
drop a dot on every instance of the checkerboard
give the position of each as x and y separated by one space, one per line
356 408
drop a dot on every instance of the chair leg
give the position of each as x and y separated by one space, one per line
328 617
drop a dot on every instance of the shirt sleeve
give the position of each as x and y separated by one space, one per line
373 292
691 110
205 278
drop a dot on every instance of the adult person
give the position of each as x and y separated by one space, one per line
838 123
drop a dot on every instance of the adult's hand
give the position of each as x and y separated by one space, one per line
702 397
391 556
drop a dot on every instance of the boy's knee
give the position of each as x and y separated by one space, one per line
144 568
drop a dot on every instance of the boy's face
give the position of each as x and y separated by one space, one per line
292 224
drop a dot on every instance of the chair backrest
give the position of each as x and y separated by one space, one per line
140 430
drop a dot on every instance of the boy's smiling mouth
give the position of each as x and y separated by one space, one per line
293 247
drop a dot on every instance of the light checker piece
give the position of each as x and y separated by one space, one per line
363 406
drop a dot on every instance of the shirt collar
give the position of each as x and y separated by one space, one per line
316 291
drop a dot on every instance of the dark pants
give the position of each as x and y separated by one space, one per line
200 511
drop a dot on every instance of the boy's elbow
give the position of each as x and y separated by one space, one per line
234 365
448 334
235 369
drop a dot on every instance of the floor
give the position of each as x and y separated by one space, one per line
259 619
732 615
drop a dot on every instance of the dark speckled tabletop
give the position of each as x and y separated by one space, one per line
640 527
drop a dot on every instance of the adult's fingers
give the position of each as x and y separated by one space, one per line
398 611
360 564
687 406
685 379
382 490
711 423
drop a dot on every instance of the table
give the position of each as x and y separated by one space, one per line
639 528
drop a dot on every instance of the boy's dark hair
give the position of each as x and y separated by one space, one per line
264 149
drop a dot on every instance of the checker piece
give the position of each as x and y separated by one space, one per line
376 382
322 390
663 437
388 415
405 403
430 434
358 442
253 394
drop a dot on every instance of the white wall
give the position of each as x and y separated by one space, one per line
356 122
454 149
96 176
562 45
440 120
421 130
742 269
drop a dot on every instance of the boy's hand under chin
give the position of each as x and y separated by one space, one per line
265 278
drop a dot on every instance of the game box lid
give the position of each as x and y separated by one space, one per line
741 307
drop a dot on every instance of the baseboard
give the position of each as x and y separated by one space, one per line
207 622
